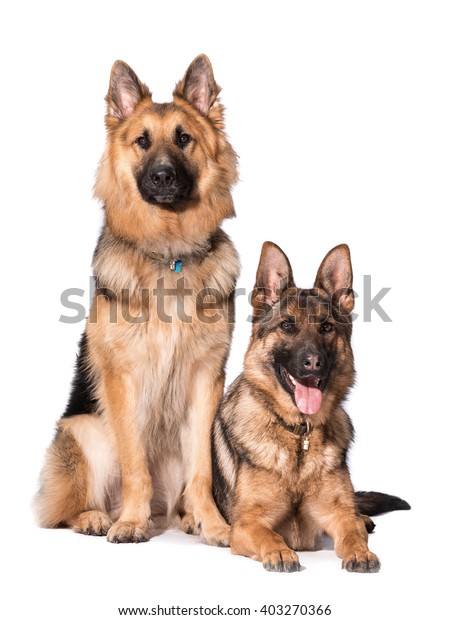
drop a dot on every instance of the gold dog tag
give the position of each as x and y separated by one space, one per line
306 437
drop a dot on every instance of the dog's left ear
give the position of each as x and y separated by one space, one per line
335 276
125 91
198 85
273 277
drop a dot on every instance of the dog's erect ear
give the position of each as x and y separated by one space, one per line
198 86
273 277
335 276
125 90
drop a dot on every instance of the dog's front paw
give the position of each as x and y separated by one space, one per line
217 533
361 563
127 532
285 561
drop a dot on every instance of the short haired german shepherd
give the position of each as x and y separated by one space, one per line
280 437
134 441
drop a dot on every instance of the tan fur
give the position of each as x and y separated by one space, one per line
145 450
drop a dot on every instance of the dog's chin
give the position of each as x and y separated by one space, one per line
170 202
306 392
166 200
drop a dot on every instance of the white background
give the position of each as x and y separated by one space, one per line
340 114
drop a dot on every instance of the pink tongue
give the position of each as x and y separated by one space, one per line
308 399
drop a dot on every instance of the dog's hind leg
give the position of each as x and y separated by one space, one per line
369 524
79 467
92 522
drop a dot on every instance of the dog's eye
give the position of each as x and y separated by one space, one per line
183 139
326 327
143 141
287 326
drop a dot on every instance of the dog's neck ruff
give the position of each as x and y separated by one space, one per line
302 429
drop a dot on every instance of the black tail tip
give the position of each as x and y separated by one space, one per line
374 503
402 504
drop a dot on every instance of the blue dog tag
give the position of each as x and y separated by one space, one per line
176 265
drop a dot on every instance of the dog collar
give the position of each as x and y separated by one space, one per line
302 429
174 264
177 264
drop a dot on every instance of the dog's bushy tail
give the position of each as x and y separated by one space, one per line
372 503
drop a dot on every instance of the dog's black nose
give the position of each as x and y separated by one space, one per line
312 361
163 176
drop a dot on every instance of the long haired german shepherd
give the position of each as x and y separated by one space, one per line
134 441
280 437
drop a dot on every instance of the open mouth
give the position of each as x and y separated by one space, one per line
306 392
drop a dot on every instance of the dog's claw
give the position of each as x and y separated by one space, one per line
368 564
285 561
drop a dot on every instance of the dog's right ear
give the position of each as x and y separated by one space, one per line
273 277
335 276
198 85
125 91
